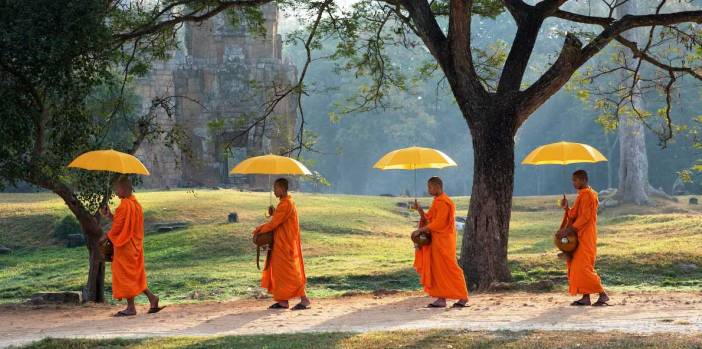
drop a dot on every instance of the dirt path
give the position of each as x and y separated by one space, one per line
631 312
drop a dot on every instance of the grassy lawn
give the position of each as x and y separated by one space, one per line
351 244
403 339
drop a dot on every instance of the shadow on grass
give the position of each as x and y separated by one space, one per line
28 232
636 270
402 279
333 230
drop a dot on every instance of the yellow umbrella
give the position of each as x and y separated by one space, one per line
414 158
563 153
270 165
109 160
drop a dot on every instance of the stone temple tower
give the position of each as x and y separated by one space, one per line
224 76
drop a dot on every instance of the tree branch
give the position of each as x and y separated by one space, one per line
528 25
199 15
459 45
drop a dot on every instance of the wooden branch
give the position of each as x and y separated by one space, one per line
634 21
459 46
584 19
520 52
429 30
549 6
518 9
197 16
572 56
641 54
554 78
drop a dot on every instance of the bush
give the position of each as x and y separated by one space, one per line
65 227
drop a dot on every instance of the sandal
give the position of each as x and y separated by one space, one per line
432 305
601 304
277 306
579 303
460 305
121 313
155 310
300 306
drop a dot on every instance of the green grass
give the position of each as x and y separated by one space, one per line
400 339
350 244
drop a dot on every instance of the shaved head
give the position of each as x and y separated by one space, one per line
435 186
123 186
282 182
581 174
579 179
280 187
436 181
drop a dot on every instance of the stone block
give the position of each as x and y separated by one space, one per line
56 298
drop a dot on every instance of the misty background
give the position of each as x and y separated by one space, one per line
426 115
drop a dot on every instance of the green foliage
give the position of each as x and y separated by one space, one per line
51 56
66 226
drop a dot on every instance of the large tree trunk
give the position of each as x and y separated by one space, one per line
484 248
634 186
94 290
633 162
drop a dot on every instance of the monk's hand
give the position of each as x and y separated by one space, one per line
564 202
105 211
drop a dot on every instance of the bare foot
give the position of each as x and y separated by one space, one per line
154 302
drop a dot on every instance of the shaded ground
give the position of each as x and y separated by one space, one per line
638 313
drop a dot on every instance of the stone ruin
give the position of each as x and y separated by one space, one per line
227 74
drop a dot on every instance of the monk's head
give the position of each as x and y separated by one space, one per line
435 186
123 187
280 187
580 179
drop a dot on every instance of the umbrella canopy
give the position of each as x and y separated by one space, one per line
414 158
563 153
109 160
270 165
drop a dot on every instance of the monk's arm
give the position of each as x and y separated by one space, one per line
280 215
439 218
117 234
586 215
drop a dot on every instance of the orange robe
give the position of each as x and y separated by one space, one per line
582 277
436 263
127 236
284 277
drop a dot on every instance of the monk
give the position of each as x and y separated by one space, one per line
127 237
436 263
284 275
582 277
